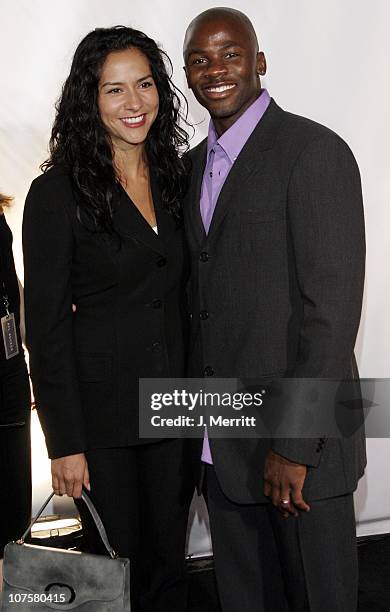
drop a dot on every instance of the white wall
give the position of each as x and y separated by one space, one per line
326 60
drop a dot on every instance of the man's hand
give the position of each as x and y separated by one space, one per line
283 482
69 474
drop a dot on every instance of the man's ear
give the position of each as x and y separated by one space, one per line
261 63
185 72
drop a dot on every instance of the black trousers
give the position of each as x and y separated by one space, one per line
143 494
15 452
264 562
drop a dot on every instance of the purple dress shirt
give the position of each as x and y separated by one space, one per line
222 152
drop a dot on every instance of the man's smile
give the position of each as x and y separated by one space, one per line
219 91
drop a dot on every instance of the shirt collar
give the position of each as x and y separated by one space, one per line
234 139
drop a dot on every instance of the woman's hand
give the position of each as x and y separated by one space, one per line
69 474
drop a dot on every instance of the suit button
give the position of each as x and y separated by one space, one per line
208 371
161 262
156 303
204 256
156 347
204 315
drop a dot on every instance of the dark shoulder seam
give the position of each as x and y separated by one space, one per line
54 173
196 149
43 183
328 134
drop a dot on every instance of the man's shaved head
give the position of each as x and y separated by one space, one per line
221 14
223 64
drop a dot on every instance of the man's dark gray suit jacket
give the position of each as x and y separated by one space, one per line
281 276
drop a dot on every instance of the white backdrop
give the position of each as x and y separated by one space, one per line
326 60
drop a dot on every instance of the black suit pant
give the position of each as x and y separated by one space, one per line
264 562
15 495
143 495
15 451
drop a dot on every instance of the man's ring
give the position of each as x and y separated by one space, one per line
285 502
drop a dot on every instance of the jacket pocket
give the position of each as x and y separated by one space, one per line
94 367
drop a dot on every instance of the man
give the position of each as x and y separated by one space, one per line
274 220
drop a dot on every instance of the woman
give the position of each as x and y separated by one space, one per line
102 231
15 462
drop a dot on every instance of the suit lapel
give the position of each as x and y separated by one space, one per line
129 222
249 162
192 200
166 223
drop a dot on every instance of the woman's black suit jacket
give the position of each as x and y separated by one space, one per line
130 320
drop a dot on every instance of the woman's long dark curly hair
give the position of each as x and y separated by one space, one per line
80 141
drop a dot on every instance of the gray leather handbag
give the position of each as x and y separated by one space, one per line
42 578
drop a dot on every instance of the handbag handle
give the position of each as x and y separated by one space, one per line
94 513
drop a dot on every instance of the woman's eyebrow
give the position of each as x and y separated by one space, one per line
111 83
148 76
